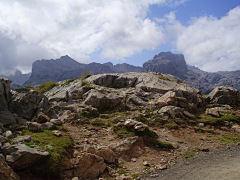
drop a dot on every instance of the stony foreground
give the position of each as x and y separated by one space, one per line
119 126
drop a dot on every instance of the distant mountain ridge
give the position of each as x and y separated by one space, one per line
67 68
166 62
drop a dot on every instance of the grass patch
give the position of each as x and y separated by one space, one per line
52 163
86 75
121 171
150 137
44 87
134 176
208 119
122 131
163 78
228 139
100 123
68 82
90 114
171 126
191 153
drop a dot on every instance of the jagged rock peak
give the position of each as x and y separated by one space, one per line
167 62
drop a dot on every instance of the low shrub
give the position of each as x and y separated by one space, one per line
44 87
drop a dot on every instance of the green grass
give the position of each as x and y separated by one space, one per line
52 163
171 126
68 82
44 87
163 78
121 171
134 176
122 131
86 75
227 139
191 153
208 119
150 137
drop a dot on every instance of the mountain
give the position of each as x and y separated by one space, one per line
167 62
18 78
67 68
123 68
175 64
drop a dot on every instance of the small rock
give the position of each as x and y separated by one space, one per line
34 126
133 159
48 125
57 133
154 175
226 123
76 178
42 118
3 139
56 121
47 147
201 124
160 167
8 134
22 139
145 163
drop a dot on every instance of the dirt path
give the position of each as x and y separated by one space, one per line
221 164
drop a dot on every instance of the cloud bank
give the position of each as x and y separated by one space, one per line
210 43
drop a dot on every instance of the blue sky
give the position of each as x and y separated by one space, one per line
206 32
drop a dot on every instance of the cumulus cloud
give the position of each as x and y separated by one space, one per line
51 28
210 43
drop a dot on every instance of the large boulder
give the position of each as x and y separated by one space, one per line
224 95
6 118
166 99
100 100
6 172
85 166
132 147
5 94
29 105
20 156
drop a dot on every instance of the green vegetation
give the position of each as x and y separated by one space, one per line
150 137
59 145
163 78
134 176
90 114
44 87
85 83
101 123
86 75
228 139
172 126
121 171
122 131
191 153
68 82
208 119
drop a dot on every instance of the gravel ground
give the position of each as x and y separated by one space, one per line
223 163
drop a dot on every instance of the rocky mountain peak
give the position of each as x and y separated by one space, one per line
167 62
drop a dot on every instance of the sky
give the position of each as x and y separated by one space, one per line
206 32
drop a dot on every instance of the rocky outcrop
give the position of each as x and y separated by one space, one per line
29 105
166 99
132 147
20 156
6 118
6 172
85 166
5 94
166 62
224 95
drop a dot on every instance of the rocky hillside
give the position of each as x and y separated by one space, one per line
112 126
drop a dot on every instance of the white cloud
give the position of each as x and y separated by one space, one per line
210 43
50 28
